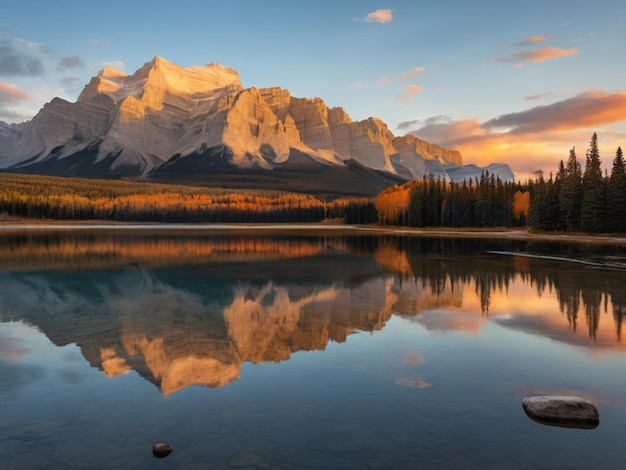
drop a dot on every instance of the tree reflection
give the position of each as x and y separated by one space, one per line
191 309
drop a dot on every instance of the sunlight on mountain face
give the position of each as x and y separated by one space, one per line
162 118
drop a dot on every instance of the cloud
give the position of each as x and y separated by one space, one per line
531 40
15 62
379 16
438 119
538 96
357 84
116 64
71 62
383 80
451 133
538 55
411 73
413 89
535 138
590 109
10 94
9 115
408 124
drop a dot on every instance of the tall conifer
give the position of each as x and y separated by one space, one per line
616 195
570 195
592 215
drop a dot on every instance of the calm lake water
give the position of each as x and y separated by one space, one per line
317 349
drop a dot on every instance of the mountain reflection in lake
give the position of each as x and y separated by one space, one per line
457 335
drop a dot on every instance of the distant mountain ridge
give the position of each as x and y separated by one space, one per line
200 124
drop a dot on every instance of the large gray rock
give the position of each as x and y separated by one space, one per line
563 411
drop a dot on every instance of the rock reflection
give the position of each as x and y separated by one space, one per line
184 311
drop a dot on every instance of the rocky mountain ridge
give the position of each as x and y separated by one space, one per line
167 122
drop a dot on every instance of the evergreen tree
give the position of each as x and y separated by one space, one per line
570 195
543 213
592 214
558 183
616 195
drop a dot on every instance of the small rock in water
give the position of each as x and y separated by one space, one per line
161 450
563 411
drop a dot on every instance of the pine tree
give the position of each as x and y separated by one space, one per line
616 195
592 214
570 195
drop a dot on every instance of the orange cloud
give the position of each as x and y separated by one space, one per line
531 40
411 73
538 55
590 109
413 89
383 80
535 138
11 94
379 16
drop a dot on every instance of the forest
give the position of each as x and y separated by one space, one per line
581 200
59 198
574 200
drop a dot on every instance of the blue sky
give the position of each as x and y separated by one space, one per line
514 82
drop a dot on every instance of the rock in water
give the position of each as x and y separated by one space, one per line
161 450
563 411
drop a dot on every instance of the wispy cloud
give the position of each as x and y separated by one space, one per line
437 119
10 94
71 62
383 80
379 16
116 64
357 84
9 115
538 55
16 60
411 73
538 96
531 40
413 89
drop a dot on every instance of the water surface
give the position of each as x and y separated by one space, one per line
313 350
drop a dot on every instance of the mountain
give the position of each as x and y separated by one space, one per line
200 124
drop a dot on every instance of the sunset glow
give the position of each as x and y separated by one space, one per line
521 89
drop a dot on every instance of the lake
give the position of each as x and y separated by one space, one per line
303 348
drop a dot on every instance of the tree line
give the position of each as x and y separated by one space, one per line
575 200
432 202
57 198
581 200
485 202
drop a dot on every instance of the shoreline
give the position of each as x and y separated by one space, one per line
314 228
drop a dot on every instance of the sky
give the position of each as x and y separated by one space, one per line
501 81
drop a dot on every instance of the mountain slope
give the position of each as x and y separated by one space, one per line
167 122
